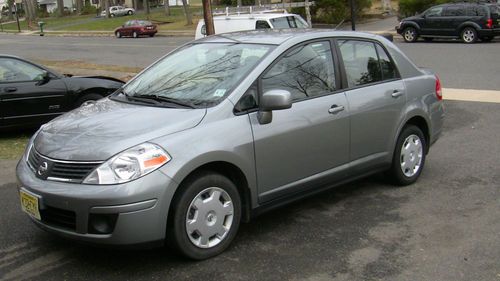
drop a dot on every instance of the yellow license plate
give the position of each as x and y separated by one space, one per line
29 204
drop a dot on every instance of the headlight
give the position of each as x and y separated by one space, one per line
129 165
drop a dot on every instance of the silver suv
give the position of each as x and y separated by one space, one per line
227 127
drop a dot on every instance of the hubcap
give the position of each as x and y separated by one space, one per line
409 35
468 35
411 155
209 217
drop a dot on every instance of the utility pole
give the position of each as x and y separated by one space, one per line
207 17
353 15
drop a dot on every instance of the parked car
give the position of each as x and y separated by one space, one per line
117 11
136 28
31 94
467 21
225 128
243 22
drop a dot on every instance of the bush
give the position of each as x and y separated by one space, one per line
409 8
334 11
89 9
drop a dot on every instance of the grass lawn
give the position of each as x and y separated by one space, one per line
176 21
12 145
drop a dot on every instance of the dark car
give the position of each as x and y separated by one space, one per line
31 94
136 28
467 21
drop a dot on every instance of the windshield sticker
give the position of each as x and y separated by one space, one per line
219 92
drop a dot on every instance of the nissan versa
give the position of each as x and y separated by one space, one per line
227 127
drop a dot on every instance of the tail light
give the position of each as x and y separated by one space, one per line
439 91
489 23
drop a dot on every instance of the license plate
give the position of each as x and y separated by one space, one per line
29 204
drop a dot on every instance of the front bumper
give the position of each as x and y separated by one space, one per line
140 207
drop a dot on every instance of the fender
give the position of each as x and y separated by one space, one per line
467 24
412 24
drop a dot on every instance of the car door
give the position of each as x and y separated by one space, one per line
433 20
376 97
26 97
309 141
455 16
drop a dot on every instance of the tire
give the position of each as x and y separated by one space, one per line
428 39
118 34
468 35
130 13
87 97
407 164
112 15
135 35
487 39
410 34
204 242
152 35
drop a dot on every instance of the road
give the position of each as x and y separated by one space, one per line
458 65
444 227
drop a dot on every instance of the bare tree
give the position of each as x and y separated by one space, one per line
79 6
60 7
167 7
145 3
189 18
106 8
11 9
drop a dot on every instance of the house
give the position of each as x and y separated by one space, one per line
51 5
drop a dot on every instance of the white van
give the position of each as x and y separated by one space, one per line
243 22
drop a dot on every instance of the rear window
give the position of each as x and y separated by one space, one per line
288 22
477 11
454 11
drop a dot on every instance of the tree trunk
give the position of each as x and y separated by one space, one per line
145 3
11 9
189 19
79 6
135 3
167 8
106 7
60 7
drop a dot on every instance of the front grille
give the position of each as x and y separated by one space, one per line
59 170
59 218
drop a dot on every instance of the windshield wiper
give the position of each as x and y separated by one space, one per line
160 99
141 99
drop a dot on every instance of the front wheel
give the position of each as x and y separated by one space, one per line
118 34
469 35
409 156
130 13
135 34
410 34
205 216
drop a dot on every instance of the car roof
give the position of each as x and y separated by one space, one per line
259 16
279 36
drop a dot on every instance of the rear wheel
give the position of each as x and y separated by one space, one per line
205 216
112 15
130 13
410 34
469 35
118 34
409 156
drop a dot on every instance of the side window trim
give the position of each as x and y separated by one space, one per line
345 85
325 39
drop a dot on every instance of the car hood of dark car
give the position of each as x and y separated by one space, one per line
98 131
412 18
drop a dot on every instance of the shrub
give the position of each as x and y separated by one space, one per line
411 7
89 9
334 11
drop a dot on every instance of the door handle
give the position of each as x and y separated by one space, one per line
336 109
10 89
396 93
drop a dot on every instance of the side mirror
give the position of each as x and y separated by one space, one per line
45 77
273 100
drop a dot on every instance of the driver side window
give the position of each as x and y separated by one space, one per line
305 71
434 12
13 70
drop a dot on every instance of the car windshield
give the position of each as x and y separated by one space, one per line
288 22
199 74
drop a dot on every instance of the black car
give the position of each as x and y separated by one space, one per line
467 21
31 94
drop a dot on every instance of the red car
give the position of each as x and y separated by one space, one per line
136 28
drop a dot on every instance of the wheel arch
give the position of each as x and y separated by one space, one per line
411 24
422 124
233 173
467 24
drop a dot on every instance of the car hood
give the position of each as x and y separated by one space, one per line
98 131
412 18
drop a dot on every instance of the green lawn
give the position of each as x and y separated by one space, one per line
12 145
176 21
